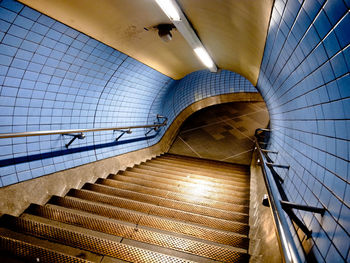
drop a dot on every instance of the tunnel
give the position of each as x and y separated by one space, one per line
109 95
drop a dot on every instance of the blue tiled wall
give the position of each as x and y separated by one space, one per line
305 82
54 77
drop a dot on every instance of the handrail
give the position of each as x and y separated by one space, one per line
289 248
154 126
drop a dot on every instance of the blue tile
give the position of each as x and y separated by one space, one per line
44 51
29 46
34 37
8 180
40 29
66 39
59 27
339 65
30 13
17 31
7 15
11 5
342 30
12 40
25 175
344 84
4 26
341 242
7 50
23 22
54 34
18 63
24 55
335 9
39 59
331 44
45 20
35 67
323 243
312 7
17 73
12 82
5 60
322 24
333 256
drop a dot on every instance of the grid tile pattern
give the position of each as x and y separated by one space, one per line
305 82
195 87
54 77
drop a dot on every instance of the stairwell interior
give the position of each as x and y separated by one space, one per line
168 209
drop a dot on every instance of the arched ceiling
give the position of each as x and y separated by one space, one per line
233 31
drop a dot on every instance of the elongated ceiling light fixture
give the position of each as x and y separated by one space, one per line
177 17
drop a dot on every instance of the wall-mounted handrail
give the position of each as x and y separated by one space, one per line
155 126
279 204
289 248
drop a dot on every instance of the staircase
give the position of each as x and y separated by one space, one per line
169 209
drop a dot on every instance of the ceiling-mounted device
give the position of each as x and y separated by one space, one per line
164 31
178 18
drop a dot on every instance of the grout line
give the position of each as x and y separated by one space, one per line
236 155
240 132
214 123
190 147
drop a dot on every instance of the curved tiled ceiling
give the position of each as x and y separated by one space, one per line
234 32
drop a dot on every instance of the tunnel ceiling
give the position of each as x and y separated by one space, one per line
233 31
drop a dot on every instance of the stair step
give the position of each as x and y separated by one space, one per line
143 219
84 239
183 177
168 209
200 168
205 163
189 178
235 205
156 210
172 203
207 173
167 203
191 159
233 197
188 175
112 227
31 249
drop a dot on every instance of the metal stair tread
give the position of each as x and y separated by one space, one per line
235 206
169 225
200 168
134 232
138 178
237 228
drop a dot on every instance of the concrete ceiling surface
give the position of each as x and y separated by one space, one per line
233 31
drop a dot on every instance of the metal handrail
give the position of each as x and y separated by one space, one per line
289 248
155 126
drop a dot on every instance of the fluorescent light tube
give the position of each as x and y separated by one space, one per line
169 9
203 55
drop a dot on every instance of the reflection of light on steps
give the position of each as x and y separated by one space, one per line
200 189
168 209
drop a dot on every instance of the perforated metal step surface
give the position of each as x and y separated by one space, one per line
168 209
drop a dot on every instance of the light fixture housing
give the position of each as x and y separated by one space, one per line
178 18
164 31
204 57
169 8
